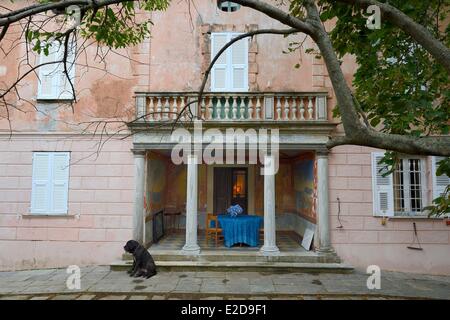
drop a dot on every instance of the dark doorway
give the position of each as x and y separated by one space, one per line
230 188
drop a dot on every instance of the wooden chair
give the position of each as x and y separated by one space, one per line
213 232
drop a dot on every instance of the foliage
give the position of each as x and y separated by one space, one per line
441 205
398 85
114 26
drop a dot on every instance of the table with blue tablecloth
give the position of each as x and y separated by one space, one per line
240 229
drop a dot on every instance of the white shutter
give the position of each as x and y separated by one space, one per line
382 187
50 182
60 182
40 194
439 182
219 81
53 84
239 65
49 74
64 87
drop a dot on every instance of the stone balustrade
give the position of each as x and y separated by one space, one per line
223 107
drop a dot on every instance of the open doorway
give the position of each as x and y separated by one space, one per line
230 188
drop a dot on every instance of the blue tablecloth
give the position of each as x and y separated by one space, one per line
240 229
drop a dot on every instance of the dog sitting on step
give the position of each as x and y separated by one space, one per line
143 264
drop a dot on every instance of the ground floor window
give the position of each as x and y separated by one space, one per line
401 193
50 183
408 187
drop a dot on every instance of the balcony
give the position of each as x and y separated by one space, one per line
282 107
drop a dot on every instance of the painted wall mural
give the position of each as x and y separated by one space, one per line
176 190
304 187
156 182
285 196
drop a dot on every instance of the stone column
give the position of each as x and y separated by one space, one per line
269 246
322 202
139 180
191 245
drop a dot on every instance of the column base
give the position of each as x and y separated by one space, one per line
326 250
191 249
269 250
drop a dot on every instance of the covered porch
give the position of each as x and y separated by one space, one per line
291 201
183 195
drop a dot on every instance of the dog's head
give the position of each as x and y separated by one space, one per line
131 246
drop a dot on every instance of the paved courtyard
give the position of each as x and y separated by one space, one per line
98 282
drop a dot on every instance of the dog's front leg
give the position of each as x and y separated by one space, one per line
132 267
135 269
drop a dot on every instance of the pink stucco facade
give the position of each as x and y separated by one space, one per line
102 187
100 204
364 240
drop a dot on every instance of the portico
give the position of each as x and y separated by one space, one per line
301 204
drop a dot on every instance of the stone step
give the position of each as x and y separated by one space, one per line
240 256
237 266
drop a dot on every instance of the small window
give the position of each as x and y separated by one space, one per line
50 183
53 83
401 193
408 187
230 72
228 6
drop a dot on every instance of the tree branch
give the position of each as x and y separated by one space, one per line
417 31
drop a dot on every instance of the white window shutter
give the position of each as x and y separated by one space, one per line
40 195
60 182
53 84
64 87
382 187
48 74
239 65
219 78
439 182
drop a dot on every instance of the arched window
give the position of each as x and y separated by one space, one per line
228 6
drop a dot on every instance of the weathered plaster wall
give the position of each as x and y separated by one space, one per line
100 204
183 48
363 240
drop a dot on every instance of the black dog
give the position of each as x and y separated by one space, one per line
143 264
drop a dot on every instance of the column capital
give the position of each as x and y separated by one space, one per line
322 153
138 152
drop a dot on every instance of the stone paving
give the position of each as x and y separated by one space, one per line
99 283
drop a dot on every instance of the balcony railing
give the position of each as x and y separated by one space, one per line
222 107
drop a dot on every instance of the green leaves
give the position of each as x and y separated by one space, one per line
398 84
115 26
441 205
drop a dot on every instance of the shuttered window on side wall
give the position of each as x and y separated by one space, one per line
50 183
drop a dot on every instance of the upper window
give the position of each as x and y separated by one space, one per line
50 183
228 6
401 193
230 72
53 82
